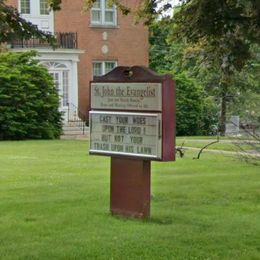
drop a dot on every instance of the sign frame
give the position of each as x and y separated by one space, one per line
130 184
140 74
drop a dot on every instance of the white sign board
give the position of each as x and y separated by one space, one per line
126 96
123 133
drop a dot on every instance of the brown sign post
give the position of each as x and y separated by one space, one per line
132 119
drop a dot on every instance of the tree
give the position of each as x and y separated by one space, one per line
13 26
195 113
196 109
164 54
225 29
29 101
246 101
216 38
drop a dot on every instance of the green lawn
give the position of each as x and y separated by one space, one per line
54 204
224 144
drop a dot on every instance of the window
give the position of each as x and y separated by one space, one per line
103 67
102 13
25 6
44 7
65 86
97 69
109 66
60 74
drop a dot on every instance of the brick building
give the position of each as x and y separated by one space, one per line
90 43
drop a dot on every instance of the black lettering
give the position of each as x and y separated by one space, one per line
134 130
107 92
129 149
105 138
121 129
102 146
107 128
117 148
122 120
105 119
139 120
119 138
136 139
144 150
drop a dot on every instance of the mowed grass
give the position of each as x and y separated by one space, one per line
224 144
54 204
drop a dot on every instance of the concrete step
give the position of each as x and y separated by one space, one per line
72 133
74 137
71 128
72 124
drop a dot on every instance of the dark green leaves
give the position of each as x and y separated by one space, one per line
28 99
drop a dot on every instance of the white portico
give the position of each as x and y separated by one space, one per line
62 65
61 62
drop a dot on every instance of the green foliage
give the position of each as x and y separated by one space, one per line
224 30
195 114
196 110
219 56
13 26
188 105
29 100
242 94
246 100
55 4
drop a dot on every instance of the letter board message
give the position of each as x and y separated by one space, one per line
123 133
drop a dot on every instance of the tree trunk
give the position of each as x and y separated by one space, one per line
222 122
224 93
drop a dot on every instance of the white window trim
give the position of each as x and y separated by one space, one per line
102 10
34 9
20 9
103 65
40 10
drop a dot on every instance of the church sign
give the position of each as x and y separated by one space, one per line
132 119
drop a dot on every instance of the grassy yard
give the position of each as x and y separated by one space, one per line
54 204
225 144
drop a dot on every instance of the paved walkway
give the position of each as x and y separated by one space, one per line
252 154
235 141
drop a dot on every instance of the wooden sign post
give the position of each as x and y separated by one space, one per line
132 119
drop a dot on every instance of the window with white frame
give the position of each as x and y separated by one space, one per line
65 87
25 7
44 7
103 67
103 14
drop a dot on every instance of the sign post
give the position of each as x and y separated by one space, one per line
132 119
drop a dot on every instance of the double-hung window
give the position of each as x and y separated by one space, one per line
103 14
44 7
103 67
25 7
34 7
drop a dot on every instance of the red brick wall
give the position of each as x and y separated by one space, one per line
127 44
12 2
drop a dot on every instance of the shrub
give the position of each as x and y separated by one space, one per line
196 114
29 102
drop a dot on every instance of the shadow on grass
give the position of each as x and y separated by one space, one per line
164 220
